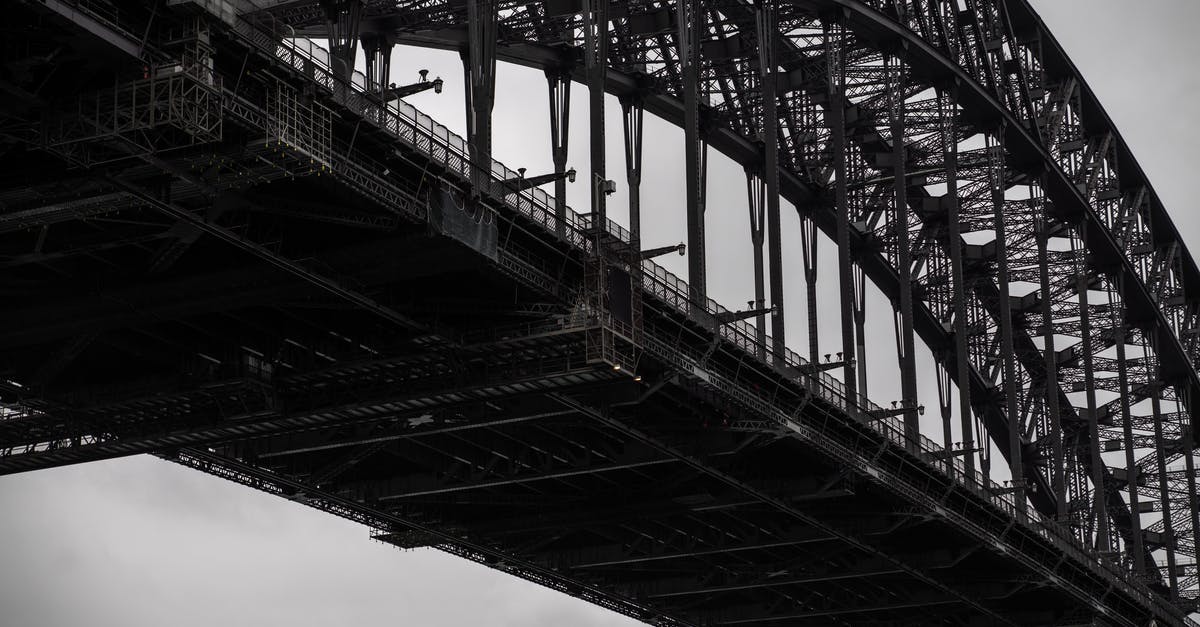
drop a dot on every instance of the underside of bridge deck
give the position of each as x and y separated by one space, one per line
222 248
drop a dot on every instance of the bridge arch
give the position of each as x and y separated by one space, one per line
1007 81
901 160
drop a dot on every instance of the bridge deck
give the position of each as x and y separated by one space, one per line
439 377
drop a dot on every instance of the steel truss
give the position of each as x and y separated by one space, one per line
1011 147
998 209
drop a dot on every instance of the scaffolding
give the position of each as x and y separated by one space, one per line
299 123
173 105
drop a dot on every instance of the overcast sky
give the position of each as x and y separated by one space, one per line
140 542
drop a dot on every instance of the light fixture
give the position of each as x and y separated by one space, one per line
616 366
437 85
637 378
424 74
571 175
521 172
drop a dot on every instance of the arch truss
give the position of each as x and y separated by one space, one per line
959 162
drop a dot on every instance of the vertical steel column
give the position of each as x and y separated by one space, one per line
808 250
479 63
905 346
1008 358
596 272
1131 467
768 30
342 20
1188 439
756 191
1051 389
559 81
837 122
377 48
947 114
1100 505
632 106
860 326
1160 445
946 403
596 60
691 28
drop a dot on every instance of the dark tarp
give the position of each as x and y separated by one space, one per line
620 295
449 214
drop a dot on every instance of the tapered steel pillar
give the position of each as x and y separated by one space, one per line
946 403
560 114
596 61
905 346
1132 470
859 282
377 48
756 201
342 23
691 26
768 30
479 64
808 250
1100 502
1008 358
1164 492
947 111
633 108
1188 440
1051 389
837 122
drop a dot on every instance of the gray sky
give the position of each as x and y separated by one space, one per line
139 542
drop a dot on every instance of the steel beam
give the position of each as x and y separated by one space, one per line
692 27
1132 470
756 202
905 347
1164 493
633 109
1051 389
1104 538
343 19
1013 392
947 115
768 25
479 65
559 84
836 84
808 250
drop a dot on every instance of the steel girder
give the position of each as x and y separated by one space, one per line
1036 162
835 43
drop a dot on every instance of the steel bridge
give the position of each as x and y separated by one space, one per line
225 247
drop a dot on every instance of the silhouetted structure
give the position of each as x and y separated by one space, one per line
224 247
